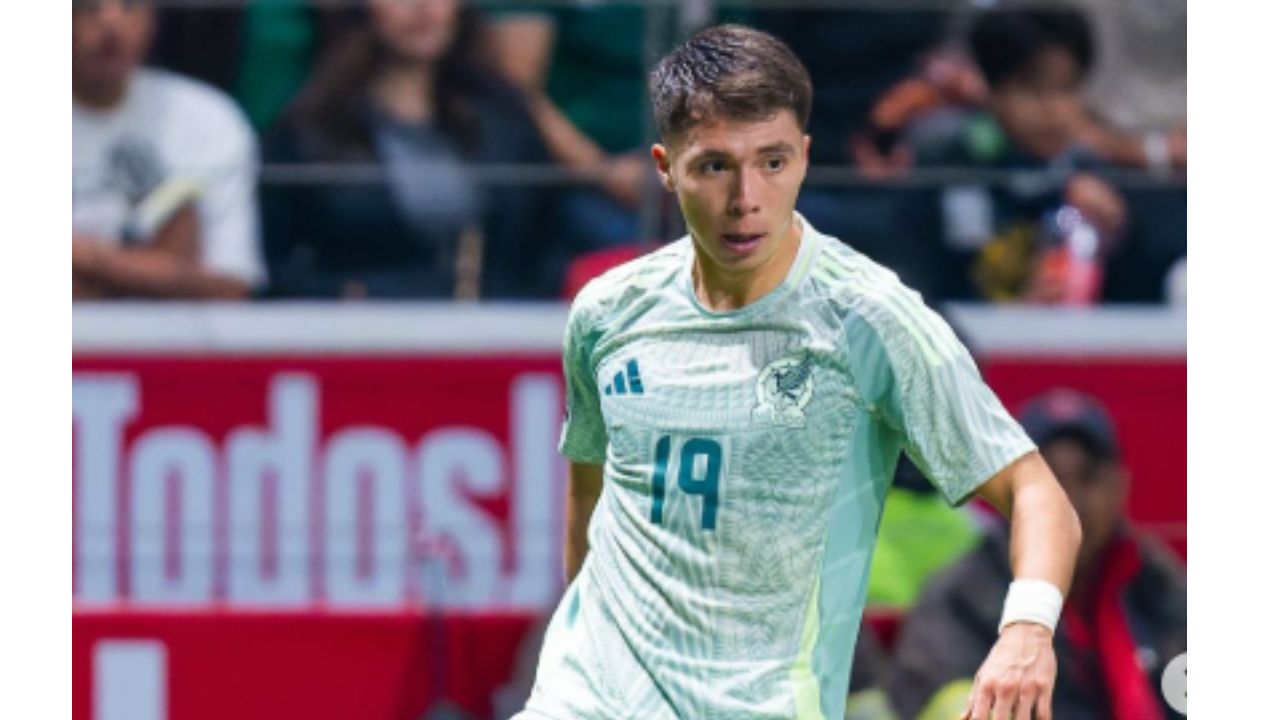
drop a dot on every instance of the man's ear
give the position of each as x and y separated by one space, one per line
662 161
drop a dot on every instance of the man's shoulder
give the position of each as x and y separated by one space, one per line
839 268
192 104
861 289
620 287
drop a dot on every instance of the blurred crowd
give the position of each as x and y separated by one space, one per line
985 151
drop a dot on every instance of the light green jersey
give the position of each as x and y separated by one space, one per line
746 458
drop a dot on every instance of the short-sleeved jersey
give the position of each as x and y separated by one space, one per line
746 458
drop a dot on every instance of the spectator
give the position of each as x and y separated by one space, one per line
1138 91
1125 618
1139 88
1033 62
163 170
582 70
1055 74
400 91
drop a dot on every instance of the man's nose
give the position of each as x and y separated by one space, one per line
746 196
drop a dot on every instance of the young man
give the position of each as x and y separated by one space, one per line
736 404
164 170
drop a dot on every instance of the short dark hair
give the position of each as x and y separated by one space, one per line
1004 42
728 71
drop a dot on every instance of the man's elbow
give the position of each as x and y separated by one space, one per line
1046 499
1052 501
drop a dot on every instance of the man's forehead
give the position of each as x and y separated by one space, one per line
742 137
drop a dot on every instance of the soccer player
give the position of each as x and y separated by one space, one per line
736 403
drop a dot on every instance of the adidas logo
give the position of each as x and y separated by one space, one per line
626 382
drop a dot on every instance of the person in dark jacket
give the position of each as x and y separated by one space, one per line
1123 622
400 95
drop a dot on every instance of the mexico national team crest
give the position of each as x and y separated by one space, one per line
783 390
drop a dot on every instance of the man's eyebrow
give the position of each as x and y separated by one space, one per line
710 154
779 148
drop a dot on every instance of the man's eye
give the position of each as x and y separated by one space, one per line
776 164
713 166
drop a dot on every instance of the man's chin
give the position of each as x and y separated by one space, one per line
110 69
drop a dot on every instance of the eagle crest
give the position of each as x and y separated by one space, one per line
783 389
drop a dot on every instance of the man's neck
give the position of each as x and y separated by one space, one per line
722 291
100 96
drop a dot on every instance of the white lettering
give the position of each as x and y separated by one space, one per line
365 491
101 406
161 573
450 461
130 680
273 568
535 413
377 457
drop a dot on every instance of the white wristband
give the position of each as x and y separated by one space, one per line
1036 601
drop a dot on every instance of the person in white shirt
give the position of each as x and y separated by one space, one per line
163 170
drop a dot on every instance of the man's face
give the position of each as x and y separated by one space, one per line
1041 106
737 184
1097 487
109 38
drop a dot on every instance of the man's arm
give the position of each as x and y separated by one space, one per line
520 46
585 483
167 266
1018 675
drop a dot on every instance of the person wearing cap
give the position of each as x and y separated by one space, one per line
1123 622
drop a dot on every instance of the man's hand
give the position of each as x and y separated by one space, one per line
1017 676
624 178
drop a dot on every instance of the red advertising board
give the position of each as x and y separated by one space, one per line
327 481
272 520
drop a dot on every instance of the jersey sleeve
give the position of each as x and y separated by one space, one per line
927 389
582 437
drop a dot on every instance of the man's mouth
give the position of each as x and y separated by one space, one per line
742 242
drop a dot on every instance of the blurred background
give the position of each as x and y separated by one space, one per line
322 252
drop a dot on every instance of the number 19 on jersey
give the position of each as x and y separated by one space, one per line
701 461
